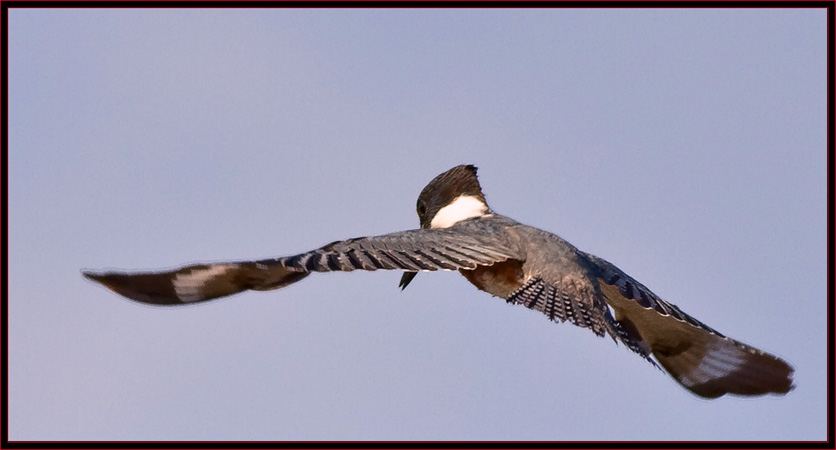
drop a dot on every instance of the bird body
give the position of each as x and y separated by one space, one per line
519 263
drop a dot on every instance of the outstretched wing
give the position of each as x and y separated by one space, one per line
700 358
414 250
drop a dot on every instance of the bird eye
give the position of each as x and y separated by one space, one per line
422 208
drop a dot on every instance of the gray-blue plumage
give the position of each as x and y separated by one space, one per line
519 263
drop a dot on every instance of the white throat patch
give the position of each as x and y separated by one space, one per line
463 207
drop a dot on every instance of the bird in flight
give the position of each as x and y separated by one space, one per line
519 263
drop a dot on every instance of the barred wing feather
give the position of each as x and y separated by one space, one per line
413 251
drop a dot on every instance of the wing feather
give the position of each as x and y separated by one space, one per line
700 358
577 302
413 250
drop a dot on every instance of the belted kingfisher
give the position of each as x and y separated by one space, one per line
519 263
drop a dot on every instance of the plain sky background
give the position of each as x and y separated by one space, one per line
688 147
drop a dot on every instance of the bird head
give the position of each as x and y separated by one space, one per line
449 198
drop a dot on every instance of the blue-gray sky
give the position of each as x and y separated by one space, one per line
688 147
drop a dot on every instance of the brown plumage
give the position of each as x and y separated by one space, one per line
522 264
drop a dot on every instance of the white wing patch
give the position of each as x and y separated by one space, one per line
463 207
719 361
189 287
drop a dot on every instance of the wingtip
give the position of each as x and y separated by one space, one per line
102 278
93 276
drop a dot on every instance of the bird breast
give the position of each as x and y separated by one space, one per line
500 279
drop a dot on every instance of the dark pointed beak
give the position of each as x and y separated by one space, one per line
406 278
